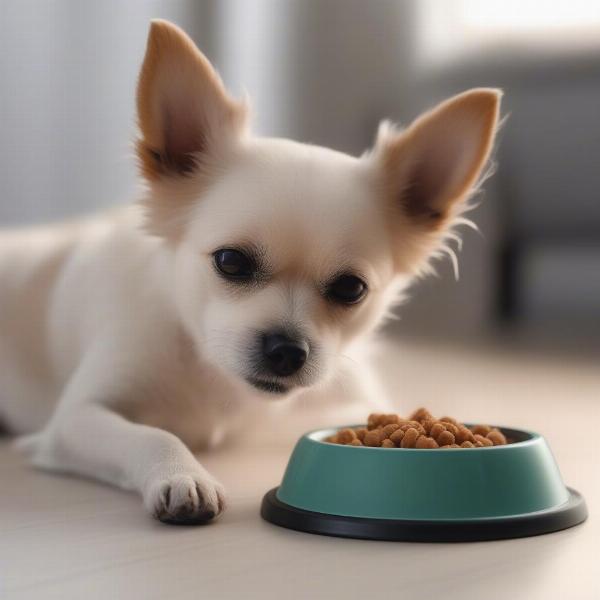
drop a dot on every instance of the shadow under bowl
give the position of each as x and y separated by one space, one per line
424 495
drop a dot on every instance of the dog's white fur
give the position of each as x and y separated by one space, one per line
121 347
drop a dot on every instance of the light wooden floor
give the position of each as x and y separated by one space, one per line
66 538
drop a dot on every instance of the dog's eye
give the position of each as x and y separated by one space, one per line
234 264
347 289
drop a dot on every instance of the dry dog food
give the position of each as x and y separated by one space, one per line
420 430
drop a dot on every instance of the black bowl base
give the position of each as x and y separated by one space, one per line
567 515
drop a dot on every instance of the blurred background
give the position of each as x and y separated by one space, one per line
326 72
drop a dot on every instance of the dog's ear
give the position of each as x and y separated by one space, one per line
184 111
431 167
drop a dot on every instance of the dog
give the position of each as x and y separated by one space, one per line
248 271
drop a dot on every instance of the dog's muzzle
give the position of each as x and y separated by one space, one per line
282 355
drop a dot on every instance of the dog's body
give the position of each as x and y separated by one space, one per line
110 266
251 267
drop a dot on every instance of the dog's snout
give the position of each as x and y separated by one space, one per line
283 355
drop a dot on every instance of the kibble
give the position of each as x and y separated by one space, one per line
373 438
389 429
360 433
410 438
496 437
436 430
446 438
464 435
481 429
346 436
420 430
425 441
397 436
483 440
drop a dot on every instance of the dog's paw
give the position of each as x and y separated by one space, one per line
28 445
38 449
185 499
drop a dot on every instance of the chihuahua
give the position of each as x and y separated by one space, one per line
248 270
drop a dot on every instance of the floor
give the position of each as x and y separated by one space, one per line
68 538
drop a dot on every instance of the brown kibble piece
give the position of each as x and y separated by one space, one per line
453 429
421 414
373 420
464 435
481 429
436 429
426 442
389 429
397 436
373 438
360 433
420 430
410 438
345 436
380 420
445 438
428 424
497 437
388 420
416 425
412 425
483 440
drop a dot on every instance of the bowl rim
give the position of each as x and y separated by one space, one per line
316 437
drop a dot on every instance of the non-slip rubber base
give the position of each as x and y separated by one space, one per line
567 515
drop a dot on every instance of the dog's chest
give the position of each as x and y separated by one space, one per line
200 406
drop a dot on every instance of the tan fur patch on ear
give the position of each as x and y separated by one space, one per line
429 170
149 161
182 104
188 126
410 157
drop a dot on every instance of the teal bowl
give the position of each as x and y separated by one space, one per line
424 495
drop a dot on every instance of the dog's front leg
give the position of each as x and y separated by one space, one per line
85 436
94 441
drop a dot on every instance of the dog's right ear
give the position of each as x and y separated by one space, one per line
431 168
184 112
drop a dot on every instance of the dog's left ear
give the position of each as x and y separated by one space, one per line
433 165
184 112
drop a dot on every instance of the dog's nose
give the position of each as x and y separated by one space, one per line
284 356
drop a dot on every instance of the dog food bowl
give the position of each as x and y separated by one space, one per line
424 495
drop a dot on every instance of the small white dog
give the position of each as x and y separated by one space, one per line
249 270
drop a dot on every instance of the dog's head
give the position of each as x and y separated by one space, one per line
285 253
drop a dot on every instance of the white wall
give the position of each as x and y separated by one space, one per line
68 71
322 71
